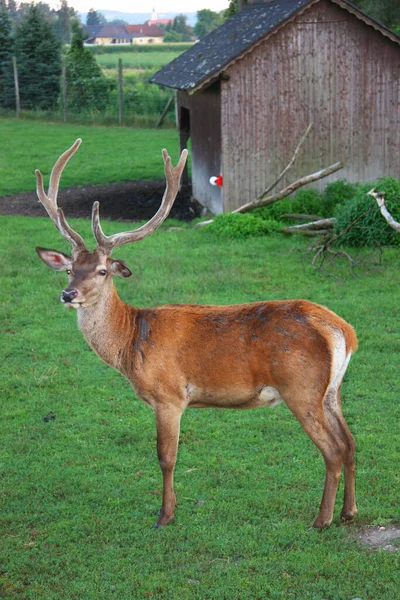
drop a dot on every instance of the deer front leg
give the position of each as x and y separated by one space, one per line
168 423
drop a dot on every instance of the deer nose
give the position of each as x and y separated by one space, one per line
68 295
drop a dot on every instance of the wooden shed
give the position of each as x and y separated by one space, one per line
248 90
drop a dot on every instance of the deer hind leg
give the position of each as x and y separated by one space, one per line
168 425
327 438
334 413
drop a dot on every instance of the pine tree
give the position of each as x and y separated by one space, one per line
88 89
94 18
7 93
65 15
39 61
207 20
385 11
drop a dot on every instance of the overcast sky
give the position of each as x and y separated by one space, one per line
144 6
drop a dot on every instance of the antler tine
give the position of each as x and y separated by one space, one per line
49 200
172 176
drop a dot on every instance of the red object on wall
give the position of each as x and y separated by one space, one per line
218 180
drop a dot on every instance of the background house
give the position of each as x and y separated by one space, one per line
248 90
107 34
145 34
124 34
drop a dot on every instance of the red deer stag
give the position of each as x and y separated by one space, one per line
179 356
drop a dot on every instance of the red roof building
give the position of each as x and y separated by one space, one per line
145 30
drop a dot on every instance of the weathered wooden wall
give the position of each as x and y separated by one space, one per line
205 133
325 66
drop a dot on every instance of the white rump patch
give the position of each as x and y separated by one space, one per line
340 363
270 396
339 360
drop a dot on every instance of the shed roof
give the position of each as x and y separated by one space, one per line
207 58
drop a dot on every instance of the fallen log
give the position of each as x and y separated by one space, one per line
320 224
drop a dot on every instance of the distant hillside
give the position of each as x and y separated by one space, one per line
138 18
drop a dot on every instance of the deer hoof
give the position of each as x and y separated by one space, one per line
347 518
321 524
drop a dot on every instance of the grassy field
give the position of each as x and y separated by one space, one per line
107 154
79 493
139 61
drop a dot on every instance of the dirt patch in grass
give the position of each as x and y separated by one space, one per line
380 537
124 201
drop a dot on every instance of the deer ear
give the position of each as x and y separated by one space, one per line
54 259
118 267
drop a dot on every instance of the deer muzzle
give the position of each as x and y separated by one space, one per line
68 296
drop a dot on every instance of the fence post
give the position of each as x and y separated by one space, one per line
121 92
64 89
164 112
17 100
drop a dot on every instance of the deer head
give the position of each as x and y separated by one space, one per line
90 273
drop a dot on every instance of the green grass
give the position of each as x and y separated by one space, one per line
107 154
78 494
137 60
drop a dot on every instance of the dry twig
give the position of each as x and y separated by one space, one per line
324 253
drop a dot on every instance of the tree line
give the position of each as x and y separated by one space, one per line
37 49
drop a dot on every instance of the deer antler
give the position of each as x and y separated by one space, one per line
49 200
172 175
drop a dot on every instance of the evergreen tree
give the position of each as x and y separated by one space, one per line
7 92
12 9
65 15
94 18
178 31
207 20
232 9
88 89
385 11
39 61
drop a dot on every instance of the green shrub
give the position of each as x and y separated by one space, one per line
337 192
371 229
238 226
310 202
274 211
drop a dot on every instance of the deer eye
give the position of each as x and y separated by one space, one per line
103 272
68 271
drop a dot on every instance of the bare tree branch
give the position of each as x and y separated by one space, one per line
289 189
380 199
290 164
324 253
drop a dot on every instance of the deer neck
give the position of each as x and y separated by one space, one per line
108 326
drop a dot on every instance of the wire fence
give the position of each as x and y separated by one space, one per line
121 97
